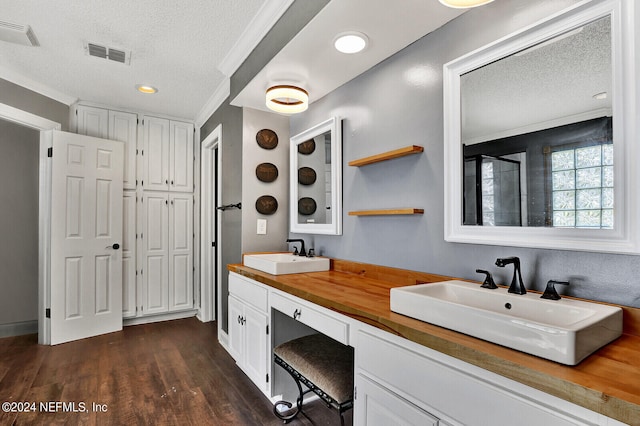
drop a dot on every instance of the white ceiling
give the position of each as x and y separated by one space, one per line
311 61
181 48
177 47
548 85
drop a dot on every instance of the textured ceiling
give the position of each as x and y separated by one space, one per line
531 90
176 46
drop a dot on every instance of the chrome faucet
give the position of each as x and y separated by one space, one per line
302 251
516 286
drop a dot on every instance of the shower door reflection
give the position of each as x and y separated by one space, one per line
493 191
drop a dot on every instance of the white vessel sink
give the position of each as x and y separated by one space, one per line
565 330
285 263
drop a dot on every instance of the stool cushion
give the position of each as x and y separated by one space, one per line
323 361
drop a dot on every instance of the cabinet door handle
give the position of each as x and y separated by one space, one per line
239 322
297 313
166 181
171 182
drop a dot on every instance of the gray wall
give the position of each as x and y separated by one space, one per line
19 156
35 103
231 247
252 188
399 102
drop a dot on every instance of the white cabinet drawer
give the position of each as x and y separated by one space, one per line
314 316
438 386
377 406
249 291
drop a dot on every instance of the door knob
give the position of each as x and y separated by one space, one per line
115 246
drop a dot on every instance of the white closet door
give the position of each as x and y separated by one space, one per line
86 234
181 157
156 154
180 251
123 126
129 255
155 239
92 121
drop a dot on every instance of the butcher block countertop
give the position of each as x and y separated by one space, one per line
607 382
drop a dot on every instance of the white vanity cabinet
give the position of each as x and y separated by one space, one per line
249 342
397 378
167 251
397 381
167 155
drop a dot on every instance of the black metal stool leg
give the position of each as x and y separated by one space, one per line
299 400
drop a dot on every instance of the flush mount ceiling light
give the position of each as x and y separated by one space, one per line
464 4
146 89
350 42
287 99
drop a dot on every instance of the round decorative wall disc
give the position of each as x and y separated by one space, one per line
306 176
267 139
307 147
266 204
266 172
307 206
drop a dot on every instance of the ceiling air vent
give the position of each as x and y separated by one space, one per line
105 52
16 33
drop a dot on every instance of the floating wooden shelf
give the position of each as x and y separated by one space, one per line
386 212
396 153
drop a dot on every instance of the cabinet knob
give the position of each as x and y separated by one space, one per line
171 182
297 313
166 182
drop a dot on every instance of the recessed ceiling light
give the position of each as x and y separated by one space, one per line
600 96
144 88
351 42
464 4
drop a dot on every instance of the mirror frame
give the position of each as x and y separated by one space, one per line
625 237
332 125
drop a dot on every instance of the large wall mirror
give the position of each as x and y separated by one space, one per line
540 141
316 179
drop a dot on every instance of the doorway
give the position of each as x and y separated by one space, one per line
41 125
19 147
210 231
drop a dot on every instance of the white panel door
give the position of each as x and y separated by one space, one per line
236 329
123 126
92 121
86 233
255 350
181 157
155 239
129 255
180 251
156 154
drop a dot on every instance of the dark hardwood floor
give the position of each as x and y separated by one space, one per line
168 373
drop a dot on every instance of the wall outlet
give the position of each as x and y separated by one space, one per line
262 227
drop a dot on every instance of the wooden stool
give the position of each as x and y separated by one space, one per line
324 366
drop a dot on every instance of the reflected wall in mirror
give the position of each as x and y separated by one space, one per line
538 128
316 180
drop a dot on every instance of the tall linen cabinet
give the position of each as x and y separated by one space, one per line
158 235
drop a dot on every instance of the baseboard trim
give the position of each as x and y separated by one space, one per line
160 317
18 328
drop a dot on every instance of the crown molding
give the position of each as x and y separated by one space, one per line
27 83
259 26
219 96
